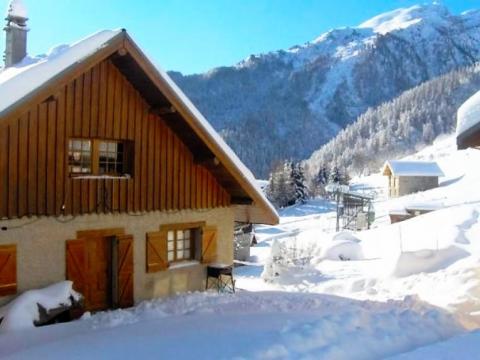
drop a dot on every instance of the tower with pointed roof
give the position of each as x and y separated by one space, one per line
16 33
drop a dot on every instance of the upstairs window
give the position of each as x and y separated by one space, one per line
111 158
80 156
100 157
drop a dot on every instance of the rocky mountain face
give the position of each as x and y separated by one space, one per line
286 104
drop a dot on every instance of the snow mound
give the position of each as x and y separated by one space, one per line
468 114
427 261
343 249
22 312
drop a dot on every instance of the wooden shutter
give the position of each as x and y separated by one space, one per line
209 244
8 270
125 271
157 256
76 259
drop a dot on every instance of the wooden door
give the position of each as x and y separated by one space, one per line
99 270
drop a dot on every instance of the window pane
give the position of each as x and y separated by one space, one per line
179 254
170 245
187 234
180 235
170 236
170 256
180 244
186 254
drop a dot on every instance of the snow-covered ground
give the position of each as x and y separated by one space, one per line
243 326
409 290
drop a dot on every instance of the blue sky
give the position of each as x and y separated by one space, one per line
197 35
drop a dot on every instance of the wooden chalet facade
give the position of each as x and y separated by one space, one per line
111 178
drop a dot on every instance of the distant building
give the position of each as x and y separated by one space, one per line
468 123
412 210
408 177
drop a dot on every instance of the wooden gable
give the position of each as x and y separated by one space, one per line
99 103
116 93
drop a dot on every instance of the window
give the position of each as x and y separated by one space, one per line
80 156
100 157
111 158
180 245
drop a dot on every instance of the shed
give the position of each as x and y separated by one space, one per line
408 177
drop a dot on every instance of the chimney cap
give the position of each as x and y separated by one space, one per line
17 9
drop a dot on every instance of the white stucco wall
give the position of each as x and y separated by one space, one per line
41 248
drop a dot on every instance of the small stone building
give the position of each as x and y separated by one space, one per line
408 177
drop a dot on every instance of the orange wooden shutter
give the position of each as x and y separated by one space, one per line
8 270
77 265
209 244
125 270
157 256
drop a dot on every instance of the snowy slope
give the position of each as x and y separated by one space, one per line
327 83
435 256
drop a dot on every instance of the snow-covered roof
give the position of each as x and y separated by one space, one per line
412 168
468 115
16 8
18 82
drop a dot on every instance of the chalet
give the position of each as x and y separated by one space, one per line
408 177
468 123
109 175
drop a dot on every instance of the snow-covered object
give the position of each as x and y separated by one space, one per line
413 168
468 114
18 81
342 250
16 8
22 312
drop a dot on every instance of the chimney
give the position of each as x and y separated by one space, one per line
16 33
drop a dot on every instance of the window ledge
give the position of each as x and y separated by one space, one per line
121 177
183 264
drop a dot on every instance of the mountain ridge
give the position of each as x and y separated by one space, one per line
287 103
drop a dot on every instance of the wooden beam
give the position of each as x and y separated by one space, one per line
162 110
241 201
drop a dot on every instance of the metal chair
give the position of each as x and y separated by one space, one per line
222 276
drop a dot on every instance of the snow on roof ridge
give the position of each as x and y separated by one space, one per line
19 80
414 168
16 8
468 114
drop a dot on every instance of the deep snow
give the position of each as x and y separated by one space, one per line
242 326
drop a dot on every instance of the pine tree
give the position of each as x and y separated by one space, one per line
297 178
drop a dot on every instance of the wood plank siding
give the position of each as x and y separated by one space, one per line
98 104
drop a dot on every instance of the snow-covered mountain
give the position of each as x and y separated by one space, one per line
287 103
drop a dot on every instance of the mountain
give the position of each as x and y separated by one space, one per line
287 103
398 127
